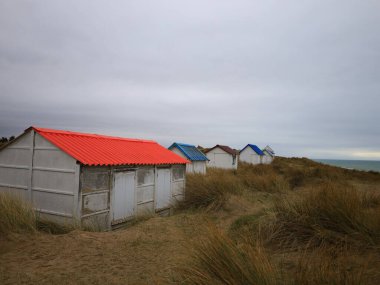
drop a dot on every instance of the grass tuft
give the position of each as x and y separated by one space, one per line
332 213
218 260
209 192
16 215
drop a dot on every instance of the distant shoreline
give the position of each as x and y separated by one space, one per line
365 165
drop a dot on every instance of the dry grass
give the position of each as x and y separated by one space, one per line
328 265
209 192
292 222
332 213
16 215
218 260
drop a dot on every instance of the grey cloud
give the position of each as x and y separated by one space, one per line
302 77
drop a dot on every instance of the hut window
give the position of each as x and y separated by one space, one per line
234 160
145 177
178 173
95 180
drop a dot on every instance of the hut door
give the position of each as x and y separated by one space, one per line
123 201
163 189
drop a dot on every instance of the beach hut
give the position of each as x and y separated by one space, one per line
91 179
222 156
251 154
193 154
268 155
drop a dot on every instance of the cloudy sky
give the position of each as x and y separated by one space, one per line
301 76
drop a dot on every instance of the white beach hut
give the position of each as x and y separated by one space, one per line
222 156
268 155
251 154
87 178
193 154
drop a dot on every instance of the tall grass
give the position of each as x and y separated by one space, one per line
332 213
218 260
209 192
261 178
327 265
16 215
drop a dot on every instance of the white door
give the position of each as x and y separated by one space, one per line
163 191
123 198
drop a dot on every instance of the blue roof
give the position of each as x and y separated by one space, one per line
190 151
255 149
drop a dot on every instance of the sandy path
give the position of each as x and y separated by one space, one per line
141 254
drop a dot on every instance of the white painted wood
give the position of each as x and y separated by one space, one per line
199 167
163 194
123 195
16 162
77 207
194 166
248 155
267 158
221 159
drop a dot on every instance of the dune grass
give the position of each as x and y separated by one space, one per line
320 235
209 192
16 215
332 213
219 260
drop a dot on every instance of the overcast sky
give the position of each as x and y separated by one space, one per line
301 76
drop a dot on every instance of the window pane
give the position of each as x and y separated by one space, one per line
178 173
145 176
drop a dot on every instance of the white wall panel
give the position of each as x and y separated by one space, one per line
54 180
145 194
95 202
53 202
14 156
14 176
55 159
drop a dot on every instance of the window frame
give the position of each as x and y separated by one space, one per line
183 168
145 184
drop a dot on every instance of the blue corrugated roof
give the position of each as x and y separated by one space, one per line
255 149
190 151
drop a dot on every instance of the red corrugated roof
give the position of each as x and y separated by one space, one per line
92 149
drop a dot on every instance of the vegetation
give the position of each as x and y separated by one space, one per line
18 216
324 227
218 260
209 192
15 215
331 213
5 140
292 222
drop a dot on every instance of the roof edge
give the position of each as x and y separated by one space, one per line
63 132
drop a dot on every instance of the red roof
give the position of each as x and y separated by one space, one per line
92 149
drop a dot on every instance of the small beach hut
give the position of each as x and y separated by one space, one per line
268 155
193 154
251 154
91 179
222 156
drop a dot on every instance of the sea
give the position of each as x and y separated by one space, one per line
367 165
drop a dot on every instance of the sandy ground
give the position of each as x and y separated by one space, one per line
141 254
149 252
